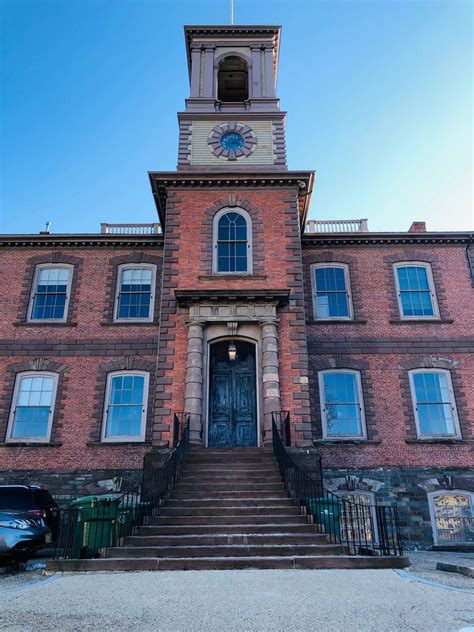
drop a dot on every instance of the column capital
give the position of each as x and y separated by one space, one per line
271 320
200 322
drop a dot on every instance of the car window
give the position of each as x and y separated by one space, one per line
44 499
16 498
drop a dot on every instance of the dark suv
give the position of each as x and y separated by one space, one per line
31 499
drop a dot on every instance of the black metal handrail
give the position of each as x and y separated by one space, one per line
363 529
89 530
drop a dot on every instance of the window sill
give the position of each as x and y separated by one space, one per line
421 321
30 444
128 323
237 275
336 321
99 444
40 323
439 441
346 441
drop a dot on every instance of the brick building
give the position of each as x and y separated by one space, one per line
365 339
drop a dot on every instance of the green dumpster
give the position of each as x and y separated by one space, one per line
94 524
326 511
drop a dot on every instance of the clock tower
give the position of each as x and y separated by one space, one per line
232 118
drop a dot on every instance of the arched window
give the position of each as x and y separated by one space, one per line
125 409
232 247
342 406
452 516
434 404
232 80
361 522
32 408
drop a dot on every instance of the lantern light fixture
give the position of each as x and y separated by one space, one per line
232 351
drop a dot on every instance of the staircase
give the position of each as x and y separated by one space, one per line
229 511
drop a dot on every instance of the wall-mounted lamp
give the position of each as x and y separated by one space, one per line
232 351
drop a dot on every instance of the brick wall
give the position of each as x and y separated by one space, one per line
82 350
384 348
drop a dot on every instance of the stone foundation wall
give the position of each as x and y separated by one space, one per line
67 485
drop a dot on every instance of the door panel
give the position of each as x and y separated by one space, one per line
232 397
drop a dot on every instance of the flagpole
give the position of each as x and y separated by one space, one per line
231 11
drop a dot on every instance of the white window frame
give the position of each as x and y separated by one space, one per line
445 492
215 224
372 506
128 266
432 289
38 269
457 428
19 376
322 400
125 438
347 279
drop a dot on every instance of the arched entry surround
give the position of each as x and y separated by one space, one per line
218 332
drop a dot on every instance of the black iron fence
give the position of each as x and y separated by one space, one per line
90 526
361 526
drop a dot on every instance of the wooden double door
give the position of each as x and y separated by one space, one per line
232 396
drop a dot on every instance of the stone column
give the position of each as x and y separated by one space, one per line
270 375
194 374
269 73
209 73
256 87
195 71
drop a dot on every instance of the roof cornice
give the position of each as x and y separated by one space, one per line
375 239
72 240
162 181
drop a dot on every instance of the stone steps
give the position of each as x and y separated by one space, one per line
229 502
228 519
209 510
228 529
222 550
216 539
228 563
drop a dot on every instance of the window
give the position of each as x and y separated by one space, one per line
232 80
415 290
361 521
126 405
331 289
50 293
434 404
32 409
232 242
341 404
135 297
452 517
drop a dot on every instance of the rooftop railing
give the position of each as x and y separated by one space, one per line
130 229
336 226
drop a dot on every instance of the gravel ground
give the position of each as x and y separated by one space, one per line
257 600
424 566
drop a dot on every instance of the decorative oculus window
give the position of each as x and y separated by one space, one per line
126 405
331 291
434 403
342 410
50 293
452 516
231 141
135 296
32 408
415 290
232 247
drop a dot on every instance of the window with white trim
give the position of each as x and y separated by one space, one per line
342 407
331 291
50 293
434 404
361 523
32 408
452 516
415 290
232 242
135 292
126 406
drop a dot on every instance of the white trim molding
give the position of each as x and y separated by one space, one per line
432 290
125 438
347 290
324 404
50 266
16 391
135 266
249 248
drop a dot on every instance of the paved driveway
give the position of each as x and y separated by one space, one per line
328 600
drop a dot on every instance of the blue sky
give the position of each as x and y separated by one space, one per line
378 95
